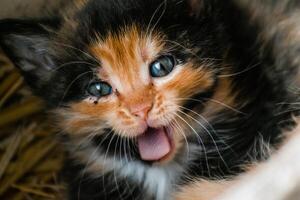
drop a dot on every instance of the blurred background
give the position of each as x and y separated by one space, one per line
30 159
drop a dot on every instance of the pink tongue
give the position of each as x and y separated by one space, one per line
154 144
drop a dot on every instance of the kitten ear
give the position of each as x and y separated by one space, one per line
27 44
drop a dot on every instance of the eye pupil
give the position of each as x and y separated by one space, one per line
99 89
157 66
162 66
158 69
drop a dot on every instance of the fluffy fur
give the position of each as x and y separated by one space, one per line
280 172
227 97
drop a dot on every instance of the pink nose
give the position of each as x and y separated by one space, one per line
141 111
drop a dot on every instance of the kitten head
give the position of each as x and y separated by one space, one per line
124 69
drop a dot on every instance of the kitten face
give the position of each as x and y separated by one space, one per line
138 100
132 80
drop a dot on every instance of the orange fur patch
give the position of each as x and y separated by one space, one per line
82 118
223 98
80 3
79 124
125 58
191 81
125 53
92 110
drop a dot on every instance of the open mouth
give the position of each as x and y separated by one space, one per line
155 144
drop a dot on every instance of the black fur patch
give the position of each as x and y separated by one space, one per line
83 186
220 28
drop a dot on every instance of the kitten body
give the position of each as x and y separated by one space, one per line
147 94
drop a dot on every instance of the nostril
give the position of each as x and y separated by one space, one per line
141 112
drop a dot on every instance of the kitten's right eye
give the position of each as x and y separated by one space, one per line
162 66
99 89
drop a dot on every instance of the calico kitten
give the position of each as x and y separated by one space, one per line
150 94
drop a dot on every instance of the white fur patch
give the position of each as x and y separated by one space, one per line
276 179
156 180
164 80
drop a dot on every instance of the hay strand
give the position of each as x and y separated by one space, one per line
10 151
30 158
25 109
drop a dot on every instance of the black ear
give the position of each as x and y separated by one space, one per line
27 44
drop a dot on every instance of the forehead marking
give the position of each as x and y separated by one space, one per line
125 56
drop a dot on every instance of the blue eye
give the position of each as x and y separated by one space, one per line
99 89
163 66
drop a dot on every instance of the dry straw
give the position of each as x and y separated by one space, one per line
30 159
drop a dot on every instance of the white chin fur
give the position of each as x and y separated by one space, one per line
156 180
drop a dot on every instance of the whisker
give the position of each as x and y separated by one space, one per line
114 171
164 3
124 149
105 157
199 140
182 133
290 110
287 103
87 164
191 51
215 101
239 73
73 62
79 50
210 135
206 121
129 152
70 85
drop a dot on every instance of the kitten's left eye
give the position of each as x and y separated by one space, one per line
99 89
163 66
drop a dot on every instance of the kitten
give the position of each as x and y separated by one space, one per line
267 180
261 183
276 179
150 94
